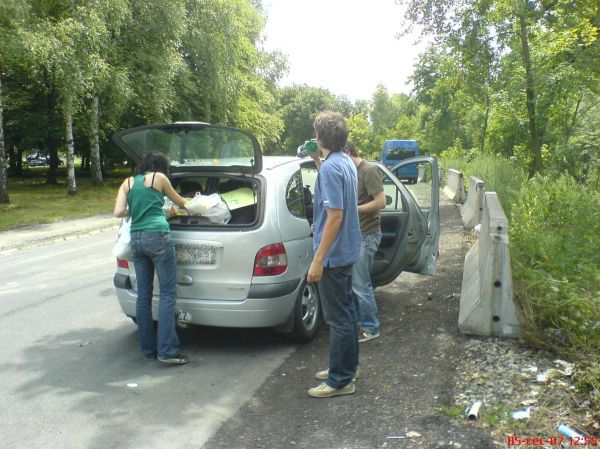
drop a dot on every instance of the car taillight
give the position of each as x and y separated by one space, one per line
270 260
122 263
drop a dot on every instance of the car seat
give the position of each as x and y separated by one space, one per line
189 188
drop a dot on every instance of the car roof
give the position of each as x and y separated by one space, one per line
270 162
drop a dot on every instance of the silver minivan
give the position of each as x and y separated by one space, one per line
250 270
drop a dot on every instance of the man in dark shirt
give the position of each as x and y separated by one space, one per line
371 199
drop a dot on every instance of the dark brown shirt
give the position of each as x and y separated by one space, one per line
369 184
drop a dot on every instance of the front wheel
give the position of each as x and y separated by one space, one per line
307 313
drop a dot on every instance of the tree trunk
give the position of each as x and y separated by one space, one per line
536 148
3 177
485 123
95 167
571 126
70 151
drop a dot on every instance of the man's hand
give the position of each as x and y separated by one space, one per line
317 158
315 272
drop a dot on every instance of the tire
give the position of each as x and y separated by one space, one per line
307 313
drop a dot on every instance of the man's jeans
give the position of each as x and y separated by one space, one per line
339 312
155 251
361 283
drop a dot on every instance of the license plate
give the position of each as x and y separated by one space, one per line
190 254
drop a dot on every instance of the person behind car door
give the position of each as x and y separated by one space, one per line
153 251
336 244
371 199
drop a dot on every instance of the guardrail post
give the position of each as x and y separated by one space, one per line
486 302
471 210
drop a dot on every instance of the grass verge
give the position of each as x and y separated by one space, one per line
32 201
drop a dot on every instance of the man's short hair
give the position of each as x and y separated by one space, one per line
331 130
350 149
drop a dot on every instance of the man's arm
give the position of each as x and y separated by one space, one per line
377 203
330 233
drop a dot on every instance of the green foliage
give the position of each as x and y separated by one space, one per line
384 113
299 107
455 411
361 135
555 253
477 83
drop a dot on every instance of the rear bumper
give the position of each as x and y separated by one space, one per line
266 306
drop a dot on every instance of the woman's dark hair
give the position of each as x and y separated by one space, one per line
155 161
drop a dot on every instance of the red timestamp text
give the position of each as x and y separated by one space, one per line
558 441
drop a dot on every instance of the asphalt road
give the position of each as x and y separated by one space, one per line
71 373
72 376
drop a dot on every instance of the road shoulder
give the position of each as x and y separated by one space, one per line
45 234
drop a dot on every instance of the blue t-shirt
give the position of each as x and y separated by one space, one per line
336 189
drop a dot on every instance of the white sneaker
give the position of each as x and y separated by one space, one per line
366 336
325 391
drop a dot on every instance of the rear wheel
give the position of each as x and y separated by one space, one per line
307 313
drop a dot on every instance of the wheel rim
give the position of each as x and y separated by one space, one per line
310 306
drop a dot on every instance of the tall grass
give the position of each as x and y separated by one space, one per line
499 174
555 253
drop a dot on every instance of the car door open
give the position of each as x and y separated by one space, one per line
410 223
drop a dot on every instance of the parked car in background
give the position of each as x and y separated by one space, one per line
250 270
395 151
38 160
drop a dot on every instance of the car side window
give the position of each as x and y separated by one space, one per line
294 196
393 197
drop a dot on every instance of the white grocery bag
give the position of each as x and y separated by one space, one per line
122 248
210 206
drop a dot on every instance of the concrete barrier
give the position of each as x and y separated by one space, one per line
471 210
422 176
455 186
486 300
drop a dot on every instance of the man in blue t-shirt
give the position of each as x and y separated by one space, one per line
336 244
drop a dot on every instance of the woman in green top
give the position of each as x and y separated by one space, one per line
153 250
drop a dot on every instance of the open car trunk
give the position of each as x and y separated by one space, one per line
239 195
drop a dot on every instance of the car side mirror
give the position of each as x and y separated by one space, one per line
388 200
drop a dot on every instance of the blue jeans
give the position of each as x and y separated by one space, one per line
339 312
361 283
155 251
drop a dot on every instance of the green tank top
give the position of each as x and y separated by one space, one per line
145 207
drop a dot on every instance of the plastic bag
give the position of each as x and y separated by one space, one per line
209 206
122 248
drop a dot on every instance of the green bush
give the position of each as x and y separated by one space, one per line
555 252
554 230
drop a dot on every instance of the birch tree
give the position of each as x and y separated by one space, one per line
4 198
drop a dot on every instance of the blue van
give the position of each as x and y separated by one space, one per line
395 151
